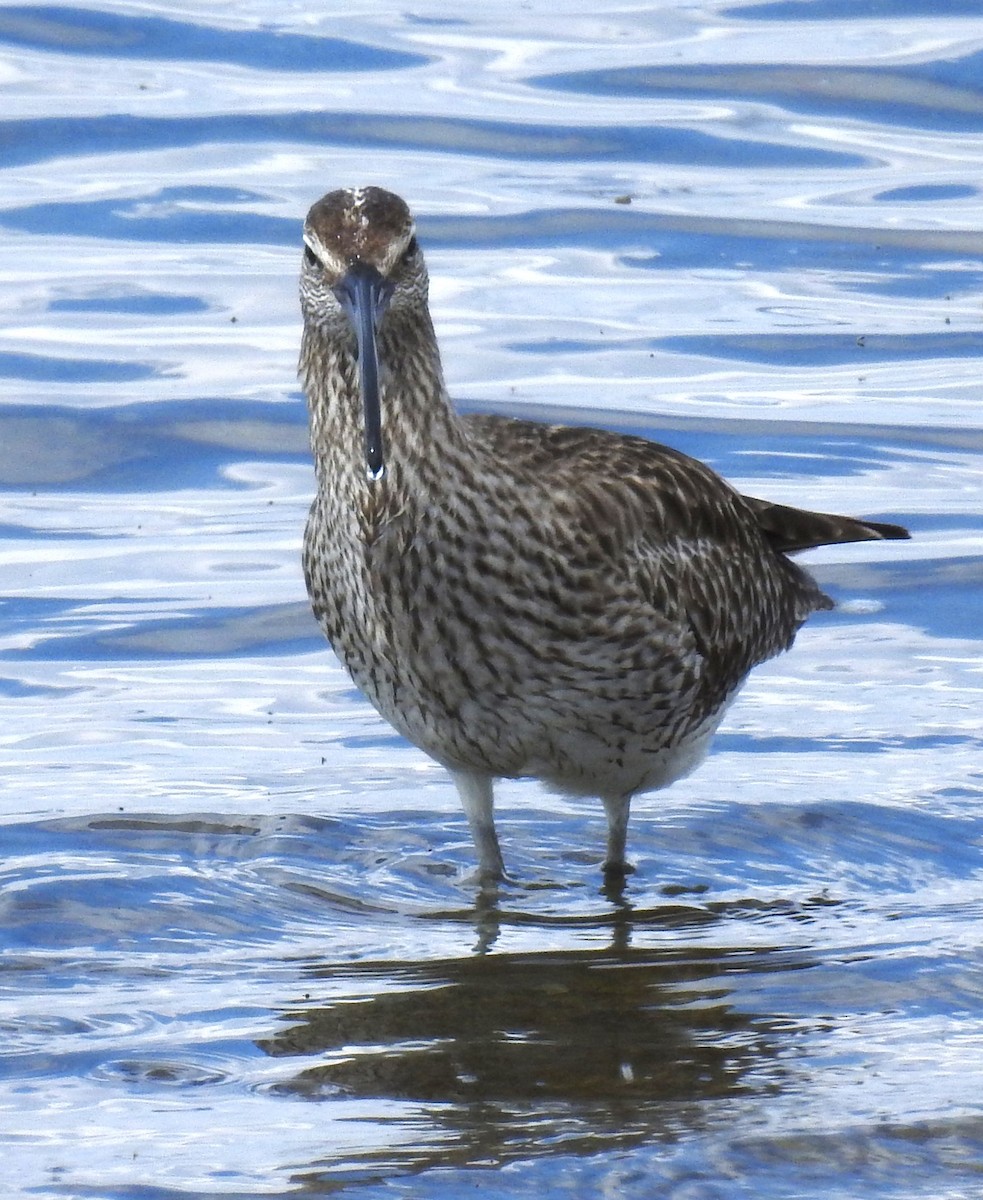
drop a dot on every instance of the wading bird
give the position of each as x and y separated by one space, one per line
516 598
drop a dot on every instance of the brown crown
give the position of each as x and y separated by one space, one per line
364 224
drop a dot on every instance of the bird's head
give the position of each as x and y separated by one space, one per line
361 258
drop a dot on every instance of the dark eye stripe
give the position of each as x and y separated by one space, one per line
310 257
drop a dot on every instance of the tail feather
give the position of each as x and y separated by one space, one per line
791 529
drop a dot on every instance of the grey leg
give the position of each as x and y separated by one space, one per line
475 790
617 808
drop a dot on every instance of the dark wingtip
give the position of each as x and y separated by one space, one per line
885 532
793 529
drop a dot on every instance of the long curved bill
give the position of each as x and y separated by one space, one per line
364 294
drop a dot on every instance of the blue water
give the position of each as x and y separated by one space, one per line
241 954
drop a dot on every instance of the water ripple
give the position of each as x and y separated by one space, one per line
230 897
100 33
940 95
29 141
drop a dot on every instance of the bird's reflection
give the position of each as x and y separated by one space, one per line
515 1053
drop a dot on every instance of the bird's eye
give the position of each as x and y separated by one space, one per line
310 258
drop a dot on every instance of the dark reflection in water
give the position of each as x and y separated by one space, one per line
194 213
797 349
91 32
808 10
32 139
524 1054
187 443
940 95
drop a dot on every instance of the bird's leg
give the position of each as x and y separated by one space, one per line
475 790
617 808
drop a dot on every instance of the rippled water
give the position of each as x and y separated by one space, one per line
241 954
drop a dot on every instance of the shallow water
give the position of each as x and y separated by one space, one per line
241 951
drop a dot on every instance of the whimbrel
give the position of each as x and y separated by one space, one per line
516 598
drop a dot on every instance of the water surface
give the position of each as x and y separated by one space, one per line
241 951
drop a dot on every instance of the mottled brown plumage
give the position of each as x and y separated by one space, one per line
521 599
